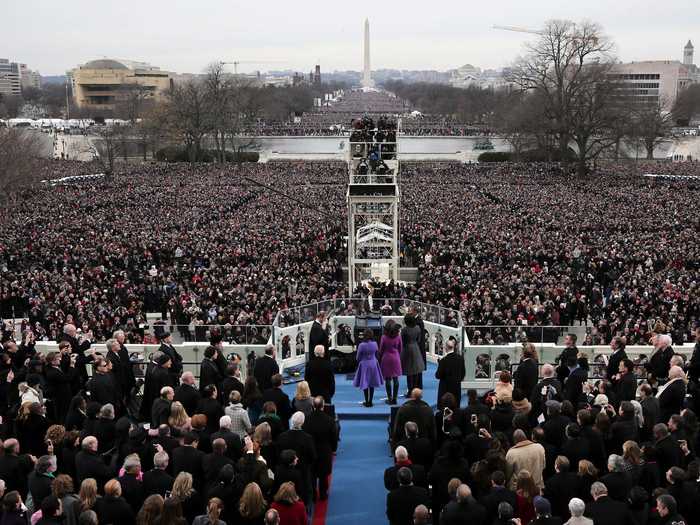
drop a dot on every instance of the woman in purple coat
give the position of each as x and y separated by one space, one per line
368 374
390 347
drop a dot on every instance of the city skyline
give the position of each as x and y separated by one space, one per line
185 38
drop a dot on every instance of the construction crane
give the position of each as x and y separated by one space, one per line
236 62
519 29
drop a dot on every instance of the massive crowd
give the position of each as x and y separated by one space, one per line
231 245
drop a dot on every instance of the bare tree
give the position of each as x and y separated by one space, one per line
20 152
652 123
106 147
565 66
188 116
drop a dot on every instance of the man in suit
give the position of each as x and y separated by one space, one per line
567 356
672 394
208 370
322 429
280 399
604 510
89 464
266 367
464 509
450 372
660 361
319 374
166 347
420 449
526 375
418 411
15 467
232 381
401 502
625 382
391 481
234 444
188 458
78 347
650 410
160 410
573 386
668 451
319 336
59 381
302 444
103 386
157 376
618 356
157 480
187 393
127 371
498 494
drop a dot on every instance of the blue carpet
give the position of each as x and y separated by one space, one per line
348 399
357 494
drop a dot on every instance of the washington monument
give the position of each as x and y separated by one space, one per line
366 75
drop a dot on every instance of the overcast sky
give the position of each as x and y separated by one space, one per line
185 35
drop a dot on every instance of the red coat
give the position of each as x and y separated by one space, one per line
291 514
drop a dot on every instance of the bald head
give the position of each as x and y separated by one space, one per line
188 378
416 394
676 372
421 515
319 350
401 454
547 370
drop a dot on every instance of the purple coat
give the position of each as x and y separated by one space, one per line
390 355
368 374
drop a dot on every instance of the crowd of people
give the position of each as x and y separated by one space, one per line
224 449
554 447
507 245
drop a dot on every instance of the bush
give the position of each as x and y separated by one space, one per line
179 154
495 156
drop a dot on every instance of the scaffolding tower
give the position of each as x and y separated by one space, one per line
373 213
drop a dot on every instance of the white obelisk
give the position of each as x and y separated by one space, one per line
366 75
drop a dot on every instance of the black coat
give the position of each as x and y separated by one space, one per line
617 484
496 496
607 511
450 372
213 410
321 427
668 454
265 368
660 363
105 389
122 370
319 375
160 412
132 490
228 385
391 480
318 336
209 374
573 387
189 397
614 363
671 399
175 357
59 388
114 511
81 362
420 450
234 445
189 459
157 481
156 378
418 412
458 513
302 443
526 376
91 465
536 398
623 430
559 489
652 414
626 388
576 449
39 487
212 464
14 471
401 503
281 401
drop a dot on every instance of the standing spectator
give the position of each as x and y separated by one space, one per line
672 394
112 508
526 375
401 502
252 505
265 368
319 375
290 508
280 399
390 348
576 509
319 336
187 393
215 508
157 480
450 372
322 429
167 348
209 373
151 509
302 401
525 455
368 375
240 421
464 509
412 363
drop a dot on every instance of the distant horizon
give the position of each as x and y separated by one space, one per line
186 37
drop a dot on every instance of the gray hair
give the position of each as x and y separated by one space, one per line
401 453
88 517
598 489
616 463
132 461
298 419
319 350
118 333
547 370
44 463
225 422
107 411
160 460
664 340
111 343
576 507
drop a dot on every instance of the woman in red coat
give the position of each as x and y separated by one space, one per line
288 505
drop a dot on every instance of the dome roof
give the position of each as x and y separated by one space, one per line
104 63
